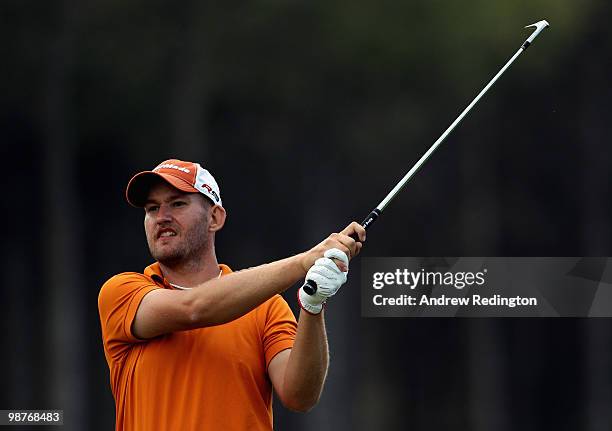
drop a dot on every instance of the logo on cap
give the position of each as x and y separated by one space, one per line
171 166
211 191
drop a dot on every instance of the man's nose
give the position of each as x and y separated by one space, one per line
164 214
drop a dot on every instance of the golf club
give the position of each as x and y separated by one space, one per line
309 286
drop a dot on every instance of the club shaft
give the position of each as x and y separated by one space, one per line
400 185
309 286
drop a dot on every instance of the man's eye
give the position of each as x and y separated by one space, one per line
152 208
178 203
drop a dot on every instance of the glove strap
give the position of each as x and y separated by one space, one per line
306 310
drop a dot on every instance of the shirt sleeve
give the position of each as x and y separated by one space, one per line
280 328
118 303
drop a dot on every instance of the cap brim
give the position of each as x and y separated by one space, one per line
137 191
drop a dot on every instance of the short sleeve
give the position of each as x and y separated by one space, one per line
280 328
118 303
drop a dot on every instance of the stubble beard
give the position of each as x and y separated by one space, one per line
189 252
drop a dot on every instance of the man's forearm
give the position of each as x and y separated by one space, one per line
224 299
307 365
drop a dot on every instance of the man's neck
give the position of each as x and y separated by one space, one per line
191 274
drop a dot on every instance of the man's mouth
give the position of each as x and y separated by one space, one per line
165 233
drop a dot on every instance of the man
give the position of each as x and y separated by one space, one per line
192 345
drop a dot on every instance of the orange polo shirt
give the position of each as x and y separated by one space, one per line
212 378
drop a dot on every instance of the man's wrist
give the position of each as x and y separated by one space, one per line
301 264
312 309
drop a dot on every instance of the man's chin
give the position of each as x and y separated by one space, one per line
168 258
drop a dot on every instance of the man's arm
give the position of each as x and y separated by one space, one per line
215 302
298 374
224 299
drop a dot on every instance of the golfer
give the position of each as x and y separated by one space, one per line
191 345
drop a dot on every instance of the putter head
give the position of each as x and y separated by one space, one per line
539 26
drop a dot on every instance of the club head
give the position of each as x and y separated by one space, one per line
539 26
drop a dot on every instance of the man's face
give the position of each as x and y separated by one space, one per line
176 224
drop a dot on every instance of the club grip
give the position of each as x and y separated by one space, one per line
309 286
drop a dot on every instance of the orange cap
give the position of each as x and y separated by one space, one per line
186 176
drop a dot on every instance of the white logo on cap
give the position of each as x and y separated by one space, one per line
171 166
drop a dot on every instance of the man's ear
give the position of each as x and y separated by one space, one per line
217 218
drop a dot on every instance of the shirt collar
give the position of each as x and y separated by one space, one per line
154 271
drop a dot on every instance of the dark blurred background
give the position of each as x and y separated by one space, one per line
308 113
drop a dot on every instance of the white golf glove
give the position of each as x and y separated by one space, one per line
328 277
